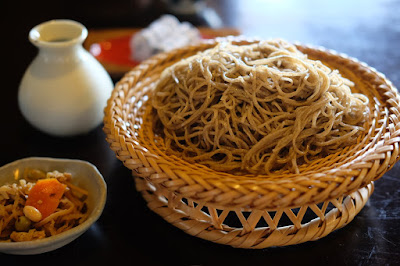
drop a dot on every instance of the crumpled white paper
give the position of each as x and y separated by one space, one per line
162 35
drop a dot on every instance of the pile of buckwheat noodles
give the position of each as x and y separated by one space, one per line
256 108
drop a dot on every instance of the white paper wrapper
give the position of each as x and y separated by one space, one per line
164 34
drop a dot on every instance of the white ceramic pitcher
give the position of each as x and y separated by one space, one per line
65 89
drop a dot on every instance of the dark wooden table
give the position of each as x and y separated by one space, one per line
128 231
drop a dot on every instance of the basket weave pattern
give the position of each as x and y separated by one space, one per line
255 229
175 188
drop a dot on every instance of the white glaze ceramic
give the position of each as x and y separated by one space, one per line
65 89
84 175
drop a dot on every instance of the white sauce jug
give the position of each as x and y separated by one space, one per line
65 89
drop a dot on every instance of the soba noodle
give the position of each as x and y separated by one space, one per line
256 108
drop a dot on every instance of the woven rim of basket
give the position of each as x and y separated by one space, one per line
127 124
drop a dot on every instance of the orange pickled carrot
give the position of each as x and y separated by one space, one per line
45 196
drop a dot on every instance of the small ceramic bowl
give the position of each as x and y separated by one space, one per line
84 175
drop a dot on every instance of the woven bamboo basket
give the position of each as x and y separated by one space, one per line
254 211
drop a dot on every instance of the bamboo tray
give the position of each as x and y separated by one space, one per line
254 211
